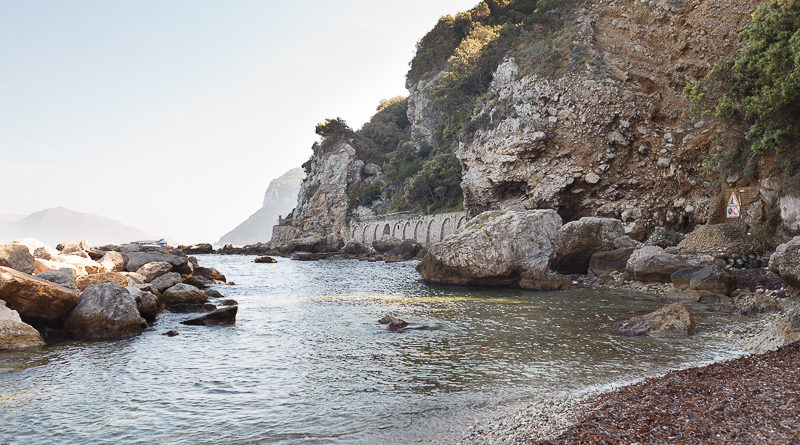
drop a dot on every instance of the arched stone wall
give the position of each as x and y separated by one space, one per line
424 229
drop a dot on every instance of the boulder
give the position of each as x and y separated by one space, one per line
652 263
183 293
712 279
99 278
74 248
34 297
166 281
129 248
671 321
333 243
199 282
46 253
405 250
17 257
228 302
187 308
151 271
786 261
134 277
212 274
63 277
314 244
213 293
220 317
89 265
790 213
396 325
112 262
606 262
578 240
41 265
265 260
14 334
136 260
494 248
386 243
663 237
105 312
356 248
146 302
199 249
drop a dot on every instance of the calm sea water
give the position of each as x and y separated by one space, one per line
308 363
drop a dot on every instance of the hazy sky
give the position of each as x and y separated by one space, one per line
173 115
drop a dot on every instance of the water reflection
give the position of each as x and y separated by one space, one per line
308 362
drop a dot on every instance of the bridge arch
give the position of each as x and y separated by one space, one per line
387 230
443 233
418 232
461 222
407 230
364 234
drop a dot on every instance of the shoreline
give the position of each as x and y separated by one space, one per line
753 398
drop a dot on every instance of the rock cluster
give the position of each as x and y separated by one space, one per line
96 293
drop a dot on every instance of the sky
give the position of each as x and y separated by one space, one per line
173 115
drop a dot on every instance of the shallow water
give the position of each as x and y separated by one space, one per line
307 362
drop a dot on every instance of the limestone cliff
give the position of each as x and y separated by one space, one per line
323 200
280 199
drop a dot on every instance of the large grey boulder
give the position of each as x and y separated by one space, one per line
790 213
17 257
578 240
105 312
495 248
112 262
183 294
63 277
166 281
151 271
652 263
786 261
34 297
14 334
136 260
671 321
603 263
313 244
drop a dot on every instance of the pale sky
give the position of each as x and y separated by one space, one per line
173 115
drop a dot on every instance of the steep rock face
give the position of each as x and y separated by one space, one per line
614 139
279 200
323 199
422 113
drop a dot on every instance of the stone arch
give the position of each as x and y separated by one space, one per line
418 232
461 222
443 233
428 232
407 230
396 230
364 234
387 230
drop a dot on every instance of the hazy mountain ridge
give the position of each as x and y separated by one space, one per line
279 199
60 224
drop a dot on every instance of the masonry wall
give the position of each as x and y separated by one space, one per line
424 229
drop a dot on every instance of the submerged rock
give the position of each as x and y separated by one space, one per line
386 319
171 333
671 321
220 317
105 311
265 260
397 324
34 297
495 248
14 334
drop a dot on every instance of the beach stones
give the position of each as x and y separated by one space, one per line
671 321
105 311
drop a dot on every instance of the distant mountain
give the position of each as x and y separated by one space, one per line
60 224
280 199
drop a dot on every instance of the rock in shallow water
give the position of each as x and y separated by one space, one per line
265 260
671 321
14 334
105 311
183 294
220 317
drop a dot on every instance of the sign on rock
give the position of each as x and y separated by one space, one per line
734 207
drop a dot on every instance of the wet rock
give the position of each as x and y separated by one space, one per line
183 293
712 279
138 259
652 263
14 334
495 248
199 282
544 281
220 317
671 321
199 249
171 333
166 281
212 274
386 319
17 257
62 277
265 260
228 302
786 261
34 297
146 302
187 308
85 281
105 311
212 293
396 325
112 262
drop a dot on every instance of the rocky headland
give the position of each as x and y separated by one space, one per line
106 292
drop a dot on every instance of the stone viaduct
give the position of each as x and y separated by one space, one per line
424 229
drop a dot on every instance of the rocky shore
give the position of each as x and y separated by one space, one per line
107 292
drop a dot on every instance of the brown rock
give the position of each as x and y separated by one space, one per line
99 278
671 321
14 334
34 297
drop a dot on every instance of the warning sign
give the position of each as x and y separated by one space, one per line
734 207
